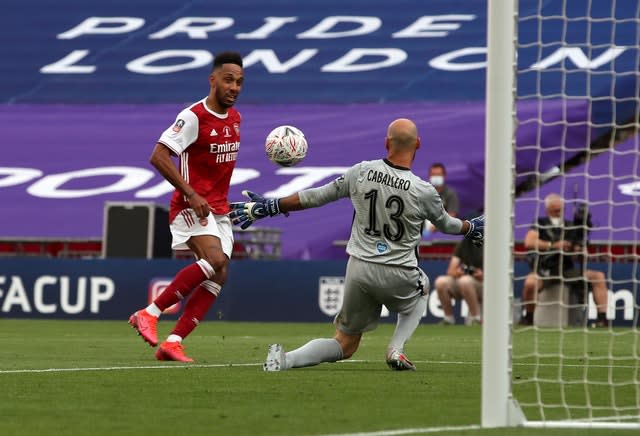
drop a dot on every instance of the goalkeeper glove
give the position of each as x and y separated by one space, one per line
476 230
244 213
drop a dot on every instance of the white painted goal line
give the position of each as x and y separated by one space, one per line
411 431
230 365
536 424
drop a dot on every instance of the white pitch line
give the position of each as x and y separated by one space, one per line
411 431
126 368
224 365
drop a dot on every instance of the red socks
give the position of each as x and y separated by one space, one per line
194 276
194 311
183 283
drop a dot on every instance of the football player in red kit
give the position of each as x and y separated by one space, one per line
206 139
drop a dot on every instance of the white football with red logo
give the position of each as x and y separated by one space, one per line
286 145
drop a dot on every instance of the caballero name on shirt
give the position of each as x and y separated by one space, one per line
386 179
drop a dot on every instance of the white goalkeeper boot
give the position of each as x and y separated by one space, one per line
276 359
398 361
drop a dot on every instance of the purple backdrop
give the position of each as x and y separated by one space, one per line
58 139
613 201
49 141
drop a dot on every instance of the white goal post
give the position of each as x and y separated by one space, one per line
498 408
568 376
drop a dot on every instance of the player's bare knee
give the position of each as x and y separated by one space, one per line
215 267
218 260
220 277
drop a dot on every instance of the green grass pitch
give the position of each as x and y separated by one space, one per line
99 378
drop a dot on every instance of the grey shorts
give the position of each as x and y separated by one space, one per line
368 286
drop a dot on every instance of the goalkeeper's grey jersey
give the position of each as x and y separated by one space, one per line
391 204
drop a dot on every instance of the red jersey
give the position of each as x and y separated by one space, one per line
207 144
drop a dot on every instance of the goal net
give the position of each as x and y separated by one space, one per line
566 345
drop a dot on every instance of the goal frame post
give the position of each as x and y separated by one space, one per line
498 408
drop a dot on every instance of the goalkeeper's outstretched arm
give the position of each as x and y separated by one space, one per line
314 197
245 213
290 203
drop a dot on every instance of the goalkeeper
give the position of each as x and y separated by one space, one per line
391 204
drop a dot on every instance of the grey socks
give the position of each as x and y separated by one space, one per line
314 352
407 324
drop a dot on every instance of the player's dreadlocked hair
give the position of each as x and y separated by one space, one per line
227 57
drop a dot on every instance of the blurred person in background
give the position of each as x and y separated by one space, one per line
463 281
553 243
449 196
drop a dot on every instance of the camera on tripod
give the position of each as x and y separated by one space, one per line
581 225
468 269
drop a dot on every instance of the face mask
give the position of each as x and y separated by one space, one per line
437 180
556 221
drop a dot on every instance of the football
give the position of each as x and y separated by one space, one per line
286 145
